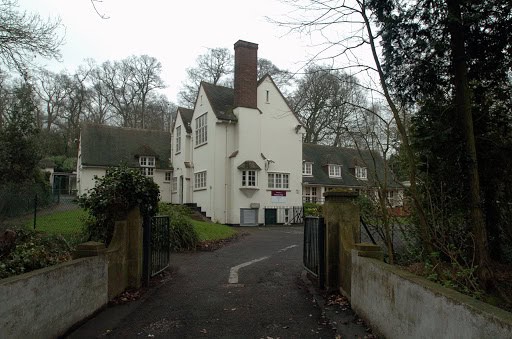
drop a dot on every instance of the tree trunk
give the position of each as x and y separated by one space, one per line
463 109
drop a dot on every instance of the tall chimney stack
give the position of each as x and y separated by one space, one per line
246 74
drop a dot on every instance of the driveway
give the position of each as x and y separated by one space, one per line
251 288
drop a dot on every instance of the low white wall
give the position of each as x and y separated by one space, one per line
47 302
398 304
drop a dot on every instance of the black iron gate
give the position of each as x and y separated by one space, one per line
314 253
157 249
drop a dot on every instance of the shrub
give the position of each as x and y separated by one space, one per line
115 194
312 209
183 235
34 250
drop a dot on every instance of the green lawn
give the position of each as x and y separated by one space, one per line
212 231
63 222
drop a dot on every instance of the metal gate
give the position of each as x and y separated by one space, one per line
156 247
314 253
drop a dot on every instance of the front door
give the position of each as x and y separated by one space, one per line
181 189
270 216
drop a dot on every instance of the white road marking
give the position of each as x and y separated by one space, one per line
233 272
286 248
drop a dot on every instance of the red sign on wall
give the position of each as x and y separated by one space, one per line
278 193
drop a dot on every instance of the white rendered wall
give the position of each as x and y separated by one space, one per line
178 162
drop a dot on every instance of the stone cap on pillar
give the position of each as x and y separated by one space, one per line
89 249
337 195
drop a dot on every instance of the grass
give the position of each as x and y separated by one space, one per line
208 231
64 222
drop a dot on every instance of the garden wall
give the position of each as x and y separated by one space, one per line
47 302
398 304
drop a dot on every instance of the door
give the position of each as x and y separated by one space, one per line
270 216
181 189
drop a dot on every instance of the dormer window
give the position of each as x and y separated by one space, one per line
307 168
361 173
147 165
334 171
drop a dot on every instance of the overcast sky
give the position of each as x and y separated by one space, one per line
174 32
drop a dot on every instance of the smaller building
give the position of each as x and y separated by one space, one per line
104 146
326 168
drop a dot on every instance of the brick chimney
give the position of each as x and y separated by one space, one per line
246 74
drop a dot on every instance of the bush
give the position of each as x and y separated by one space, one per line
115 194
34 250
312 209
183 235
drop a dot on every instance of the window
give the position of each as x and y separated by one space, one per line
268 95
361 173
335 171
200 180
307 168
310 194
167 176
279 180
174 185
201 131
249 178
147 165
178 139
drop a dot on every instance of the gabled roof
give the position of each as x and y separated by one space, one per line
105 146
186 116
321 156
222 100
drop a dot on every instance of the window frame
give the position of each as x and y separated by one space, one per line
167 176
361 173
246 179
147 165
174 184
201 130
178 139
334 171
307 168
280 180
200 180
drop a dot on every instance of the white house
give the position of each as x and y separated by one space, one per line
326 168
104 146
238 153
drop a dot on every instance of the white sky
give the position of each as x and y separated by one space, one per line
174 32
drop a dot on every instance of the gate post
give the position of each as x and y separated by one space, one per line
342 232
146 250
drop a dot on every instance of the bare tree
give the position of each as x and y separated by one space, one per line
146 78
24 36
325 99
215 66
347 31
53 89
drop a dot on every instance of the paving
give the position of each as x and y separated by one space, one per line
254 287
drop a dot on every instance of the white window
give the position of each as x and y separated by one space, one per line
167 176
178 139
147 165
279 180
174 185
249 178
201 131
335 171
307 168
310 194
200 180
361 173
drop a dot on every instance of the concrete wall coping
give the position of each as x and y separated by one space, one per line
44 270
476 306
